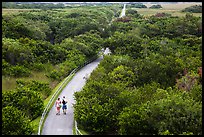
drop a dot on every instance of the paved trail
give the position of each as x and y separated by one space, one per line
63 124
123 11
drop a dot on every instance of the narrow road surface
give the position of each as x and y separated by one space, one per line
123 11
63 124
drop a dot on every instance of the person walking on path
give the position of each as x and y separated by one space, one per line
57 105
64 105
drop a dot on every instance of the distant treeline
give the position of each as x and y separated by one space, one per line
28 5
193 9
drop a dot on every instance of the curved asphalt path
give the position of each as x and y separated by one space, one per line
63 124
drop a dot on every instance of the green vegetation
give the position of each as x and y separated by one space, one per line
193 9
155 6
13 118
39 49
28 5
150 85
136 5
173 9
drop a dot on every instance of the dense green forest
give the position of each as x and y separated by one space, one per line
50 42
150 84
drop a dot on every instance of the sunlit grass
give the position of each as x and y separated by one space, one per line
150 12
9 83
37 76
15 11
176 6
173 9
54 90
83 132
35 124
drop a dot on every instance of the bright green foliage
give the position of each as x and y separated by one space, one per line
111 62
125 43
96 108
14 122
170 27
196 92
55 26
132 121
96 117
176 113
26 100
38 86
90 43
157 68
122 74
140 89
16 71
53 42
138 96
74 58
15 53
142 76
18 26
143 70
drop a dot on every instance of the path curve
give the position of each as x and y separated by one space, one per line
63 124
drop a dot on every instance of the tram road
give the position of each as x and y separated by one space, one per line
63 124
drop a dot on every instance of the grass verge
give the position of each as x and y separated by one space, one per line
36 122
83 132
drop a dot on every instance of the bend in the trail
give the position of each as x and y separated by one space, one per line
63 124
